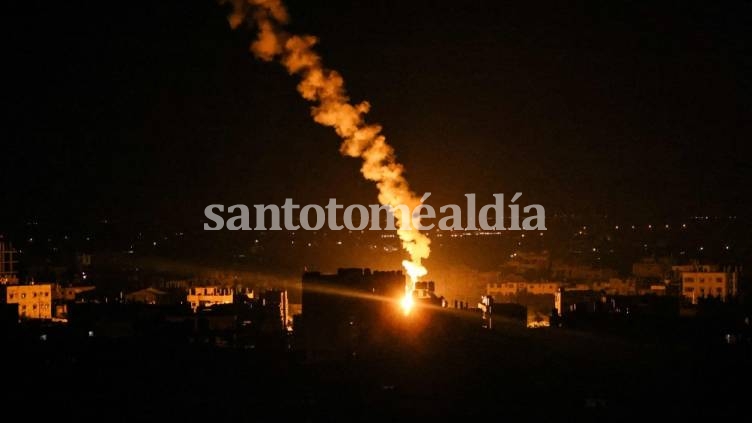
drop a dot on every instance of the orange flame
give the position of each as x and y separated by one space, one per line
407 303
415 271
332 107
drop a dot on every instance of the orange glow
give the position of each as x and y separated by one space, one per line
415 271
325 88
407 303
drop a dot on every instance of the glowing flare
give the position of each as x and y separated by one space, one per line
415 271
325 88
407 303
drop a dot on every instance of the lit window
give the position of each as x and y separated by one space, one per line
23 295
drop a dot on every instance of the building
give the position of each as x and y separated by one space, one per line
537 298
510 288
425 290
7 264
576 299
69 293
616 286
63 295
678 270
502 289
541 288
462 283
207 296
146 296
719 284
34 301
343 311
612 286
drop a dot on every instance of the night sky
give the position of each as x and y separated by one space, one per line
151 110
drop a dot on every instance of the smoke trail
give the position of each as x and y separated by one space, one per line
325 88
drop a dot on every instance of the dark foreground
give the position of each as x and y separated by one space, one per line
509 372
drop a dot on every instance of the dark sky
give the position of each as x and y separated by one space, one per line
151 110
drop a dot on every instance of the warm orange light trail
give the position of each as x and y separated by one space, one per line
332 107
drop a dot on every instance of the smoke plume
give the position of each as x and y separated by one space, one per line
332 107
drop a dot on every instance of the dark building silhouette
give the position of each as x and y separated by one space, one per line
343 312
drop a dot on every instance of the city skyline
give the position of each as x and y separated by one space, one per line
557 227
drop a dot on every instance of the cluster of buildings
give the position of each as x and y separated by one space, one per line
216 305
50 301
40 300
534 280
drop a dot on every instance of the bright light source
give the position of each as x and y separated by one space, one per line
407 304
